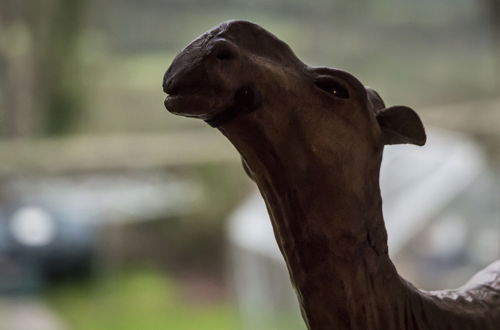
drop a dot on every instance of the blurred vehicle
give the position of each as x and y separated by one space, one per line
39 244
57 228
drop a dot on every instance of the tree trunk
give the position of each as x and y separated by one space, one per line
39 66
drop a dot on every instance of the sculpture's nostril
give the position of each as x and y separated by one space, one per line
224 54
224 51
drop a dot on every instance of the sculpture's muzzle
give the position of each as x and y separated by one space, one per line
197 80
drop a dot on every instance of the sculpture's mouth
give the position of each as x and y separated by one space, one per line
200 82
205 103
195 99
192 102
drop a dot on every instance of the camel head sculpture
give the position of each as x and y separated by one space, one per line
312 139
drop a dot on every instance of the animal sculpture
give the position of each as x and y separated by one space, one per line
312 139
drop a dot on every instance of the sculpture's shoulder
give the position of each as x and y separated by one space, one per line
479 298
485 285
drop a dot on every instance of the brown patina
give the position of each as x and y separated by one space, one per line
312 139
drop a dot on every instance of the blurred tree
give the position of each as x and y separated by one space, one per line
59 64
16 70
39 65
493 9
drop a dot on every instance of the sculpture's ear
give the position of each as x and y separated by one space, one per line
375 100
246 168
401 124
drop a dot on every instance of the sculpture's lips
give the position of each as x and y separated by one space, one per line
187 105
194 102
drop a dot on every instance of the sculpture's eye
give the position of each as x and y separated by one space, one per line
332 87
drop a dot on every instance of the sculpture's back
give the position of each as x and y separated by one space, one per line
312 139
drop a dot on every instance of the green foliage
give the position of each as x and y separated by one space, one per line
417 53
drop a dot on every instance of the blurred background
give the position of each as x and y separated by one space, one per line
115 214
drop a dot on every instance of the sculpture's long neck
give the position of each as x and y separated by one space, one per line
334 242
328 223
331 234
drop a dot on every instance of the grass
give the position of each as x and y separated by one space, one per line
148 300
144 300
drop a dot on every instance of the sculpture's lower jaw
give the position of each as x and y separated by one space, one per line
200 106
189 105
216 108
